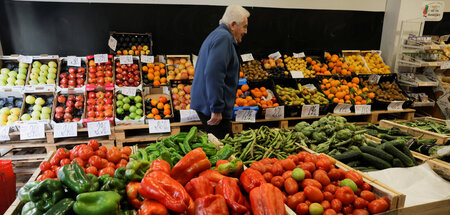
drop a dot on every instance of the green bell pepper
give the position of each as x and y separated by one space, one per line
46 194
114 184
30 209
223 154
97 203
24 192
120 173
74 177
136 170
63 207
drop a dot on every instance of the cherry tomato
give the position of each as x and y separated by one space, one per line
308 166
367 195
288 164
49 173
323 163
100 153
64 161
345 194
287 174
334 174
79 161
126 150
62 153
45 165
360 203
107 170
95 161
277 168
42 177
277 181
348 209
302 209
311 182
355 177
294 200
94 144
360 212
93 170
328 196
366 186
322 177
268 176
313 194
113 155
55 160
291 186
329 212
86 152
258 166
325 204
331 188
336 205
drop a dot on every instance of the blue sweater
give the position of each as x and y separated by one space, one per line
216 74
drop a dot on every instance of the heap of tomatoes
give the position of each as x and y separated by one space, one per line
313 185
94 159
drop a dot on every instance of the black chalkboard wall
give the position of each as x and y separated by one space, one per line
83 28
438 28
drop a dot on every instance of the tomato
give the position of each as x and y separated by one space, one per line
311 158
378 206
268 176
308 166
334 174
366 186
331 188
322 177
118 165
113 155
49 173
79 161
311 182
86 152
313 194
126 150
323 163
104 163
355 177
123 161
103 148
290 185
55 169
360 203
94 144
288 164
277 181
111 164
266 161
302 209
325 204
92 170
294 200
64 161
107 170
258 166
307 174
55 160
100 153
345 194
315 209
268 168
342 174
42 177
386 200
367 195
293 158
62 153
124 156
287 174
360 212
336 205
95 161
301 156
329 212
45 165
277 168
348 209
328 196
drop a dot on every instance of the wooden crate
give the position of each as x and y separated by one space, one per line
441 138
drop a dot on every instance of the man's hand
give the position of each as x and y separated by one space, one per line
215 119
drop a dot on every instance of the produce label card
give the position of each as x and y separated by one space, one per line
342 108
275 55
242 81
99 128
166 90
100 58
147 59
4 133
188 116
247 57
445 65
310 110
246 116
25 59
299 55
161 59
448 123
374 78
126 59
310 87
29 131
129 91
112 43
159 126
275 112
73 61
66 129
297 74
362 109
395 105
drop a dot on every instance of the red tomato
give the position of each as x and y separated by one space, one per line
79 161
277 168
355 177
378 206
55 169
49 173
294 200
118 165
342 174
288 164
334 174
277 181
293 158
322 177
107 170
86 152
291 186
94 144
42 177
92 170
258 166
268 176
367 195
328 196
111 164
331 188
104 163
360 212
266 161
307 174
123 161
45 165
348 209
95 161
287 174
324 163
64 161
329 212
126 150
386 200
308 166
62 153
325 204
336 205
113 155
313 194
103 148
55 160
100 153
311 158
311 182
302 209
366 186
360 203
268 168
124 156
345 194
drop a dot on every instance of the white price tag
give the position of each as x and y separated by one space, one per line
125 59
129 91
30 131
445 65
395 105
299 55
159 126
112 43
247 57
246 116
147 59
161 59
25 59
310 87
342 108
99 128
448 123
362 109
310 110
4 133
66 129
73 61
374 78
166 90
297 74
275 112
188 116
100 58
275 55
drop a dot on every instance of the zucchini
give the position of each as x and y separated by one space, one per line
347 156
396 143
354 163
397 163
365 169
397 132
372 143
377 152
408 153
386 137
398 154
375 161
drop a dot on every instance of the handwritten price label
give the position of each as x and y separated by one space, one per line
188 116
166 90
246 116
112 43
126 59
32 131
73 61
362 109
342 108
374 78
395 105
310 87
275 112
67 129
25 59
275 55
445 65
161 59
310 110
100 58
4 133
299 55
147 59
159 126
99 128
297 74
129 91
247 57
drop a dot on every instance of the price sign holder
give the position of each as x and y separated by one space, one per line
246 116
362 109
125 59
276 55
73 61
310 87
159 126
66 129
445 65
129 91
99 128
25 59
299 55
395 105
275 112
247 57
30 131
147 59
374 78
342 108
188 116
310 110
112 43
165 90
4 133
100 58
297 74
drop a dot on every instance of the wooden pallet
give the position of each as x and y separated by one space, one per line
441 138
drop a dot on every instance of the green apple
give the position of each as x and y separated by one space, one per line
37 107
119 110
23 65
51 76
46 110
127 118
12 74
42 79
40 101
45 116
11 80
2 82
37 64
120 97
21 76
12 118
139 112
131 97
139 105
34 82
51 81
15 111
4 71
132 115
30 99
25 117
35 114
19 82
44 67
43 73
126 100
34 76
119 103
23 71
137 117
138 99
52 64
133 109
35 70
3 77
126 106
52 70
5 110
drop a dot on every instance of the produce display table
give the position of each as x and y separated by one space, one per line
441 138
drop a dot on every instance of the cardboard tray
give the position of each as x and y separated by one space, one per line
116 34
92 87
62 64
15 94
85 118
45 122
174 83
55 103
13 59
155 93
122 122
46 87
136 60
441 138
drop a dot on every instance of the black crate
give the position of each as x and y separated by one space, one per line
126 40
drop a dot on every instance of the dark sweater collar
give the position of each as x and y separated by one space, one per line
226 28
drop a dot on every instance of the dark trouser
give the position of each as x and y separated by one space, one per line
220 130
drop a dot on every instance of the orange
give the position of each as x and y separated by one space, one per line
313 62
162 99
363 102
357 103
371 95
336 100
156 68
156 83
150 65
308 60
252 103
163 80
355 80
160 105
248 98
265 94
161 65
157 117
340 95
167 106
145 68
150 115
330 96
341 100
244 87
166 111
241 74
276 105
262 89
155 111
150 76
154 102
347 97
157 74
358 98
239 92
162 71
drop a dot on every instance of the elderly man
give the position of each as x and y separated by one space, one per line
217 72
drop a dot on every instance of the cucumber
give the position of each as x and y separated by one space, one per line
398 154
354 163
372 143
347 156
375 161
396 143
377 152
365 169
397 163
408 153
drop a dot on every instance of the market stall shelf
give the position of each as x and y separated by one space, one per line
441 138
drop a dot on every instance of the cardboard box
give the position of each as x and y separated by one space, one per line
109 86
64 68
13 60
56 104
44 59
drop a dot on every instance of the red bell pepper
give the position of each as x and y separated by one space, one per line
267 200
229 189
159 186
151 207
213 176
159 165
190 165
199 187
213 204
233 168
132 194
251 178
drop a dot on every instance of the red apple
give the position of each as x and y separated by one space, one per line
118 64
91 101
91 95
72 70
72 83
108 101
71 98
72 76
92 69
79 98
135 67
92 75
80 75
59 109
108 73
63 81
79 105
81 70
63 75
68 110
59 116
70 104
61 99
80 81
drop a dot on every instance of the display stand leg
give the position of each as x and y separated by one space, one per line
284 124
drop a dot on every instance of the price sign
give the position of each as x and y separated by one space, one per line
395 105
299 55
4 133
445 65
342 108
159 126
30 131
100 58
161 59
25 59
247 57
112 43
129 91
242 81
275 55
448 123
166 90
126 59
362 109
374 78
297 74
310 110
310 87
275 112
245 116
73 61
99 128
147 59
188 116
66 129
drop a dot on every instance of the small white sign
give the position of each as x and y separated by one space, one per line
299 55
159 126
166 90
445 65
112 43
433 10
99 128
125 59
246 116
362 109
73 61
161 59
395 105
100 58
147 59
448 123
310 110
275 55
4 133
297 74
247 57
374 78
188 116
29 131
66 129
342 108
310 87
275 112
129 91
25 59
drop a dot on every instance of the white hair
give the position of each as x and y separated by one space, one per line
234 13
